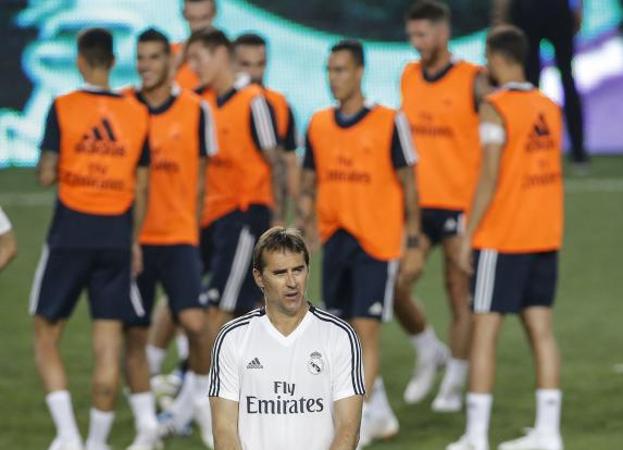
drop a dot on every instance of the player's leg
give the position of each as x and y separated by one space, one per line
431 353
59 278
537 320
161 333
449 398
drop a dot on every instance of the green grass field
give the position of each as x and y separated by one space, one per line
588 325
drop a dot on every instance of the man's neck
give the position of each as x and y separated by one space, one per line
352 105
439 63
511 75
285 323
156 96
98 79
224 82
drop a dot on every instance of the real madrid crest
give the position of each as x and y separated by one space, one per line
315 365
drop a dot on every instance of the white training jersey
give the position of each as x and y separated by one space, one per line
5 223
285 386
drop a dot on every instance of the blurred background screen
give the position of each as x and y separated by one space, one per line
39 50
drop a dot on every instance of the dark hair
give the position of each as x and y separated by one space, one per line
154 35
95 45
252 39
510 41
211 38
354 47
432 10
279 239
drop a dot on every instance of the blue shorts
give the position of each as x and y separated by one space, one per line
507 283
178 269
63 273
354 283
439 224
227 246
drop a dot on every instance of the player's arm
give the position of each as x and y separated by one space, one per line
482 87
347 420
47 167
8 243
492 137
290 160
208 147
141 193
265 135
404 157
306 209
225 424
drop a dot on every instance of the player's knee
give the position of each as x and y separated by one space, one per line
194 324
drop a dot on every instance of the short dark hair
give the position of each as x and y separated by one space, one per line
155 35
355 48
432 10
212 38
510 41
95 45
279 239
252 39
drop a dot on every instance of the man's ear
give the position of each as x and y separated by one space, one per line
259 280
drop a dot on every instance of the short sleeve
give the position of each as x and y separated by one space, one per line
348 367
5 223
224 378
207 131
263 126
145 158
308 158
403 150
289 140
52 134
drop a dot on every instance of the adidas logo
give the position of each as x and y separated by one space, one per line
255 364
101 139
540 137
540 127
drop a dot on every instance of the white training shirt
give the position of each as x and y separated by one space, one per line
5 223
285 386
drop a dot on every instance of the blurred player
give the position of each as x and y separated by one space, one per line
287 375
358 180
251 58
199 15
182 137
515 226
95 147
8 243
239 202
440 95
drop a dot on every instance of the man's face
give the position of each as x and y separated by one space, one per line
283 281
199 15
344 75
251 59
153 63
428 38
203 61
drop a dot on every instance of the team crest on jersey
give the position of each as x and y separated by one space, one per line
315 365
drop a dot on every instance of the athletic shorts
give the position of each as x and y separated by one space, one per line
354 283
228 250
62 274
510 282
439 224
178 269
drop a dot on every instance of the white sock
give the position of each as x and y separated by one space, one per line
99 426
59 403
425 342
548 405
182 408
181 342
378 399
478 416
143 406
455 376
155 358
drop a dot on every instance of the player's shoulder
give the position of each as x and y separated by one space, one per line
239 325
322 114
411 68
333 324
467 66
275 97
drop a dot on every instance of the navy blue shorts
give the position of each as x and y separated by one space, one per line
63 273
178 269
354 284
439 224
230 242
507 283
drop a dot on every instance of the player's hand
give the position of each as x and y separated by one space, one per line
465 256
410 267
137 259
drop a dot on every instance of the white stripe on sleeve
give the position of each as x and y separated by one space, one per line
211 143
263 123
406 140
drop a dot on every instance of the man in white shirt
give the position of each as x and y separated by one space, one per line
287 373
8 244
